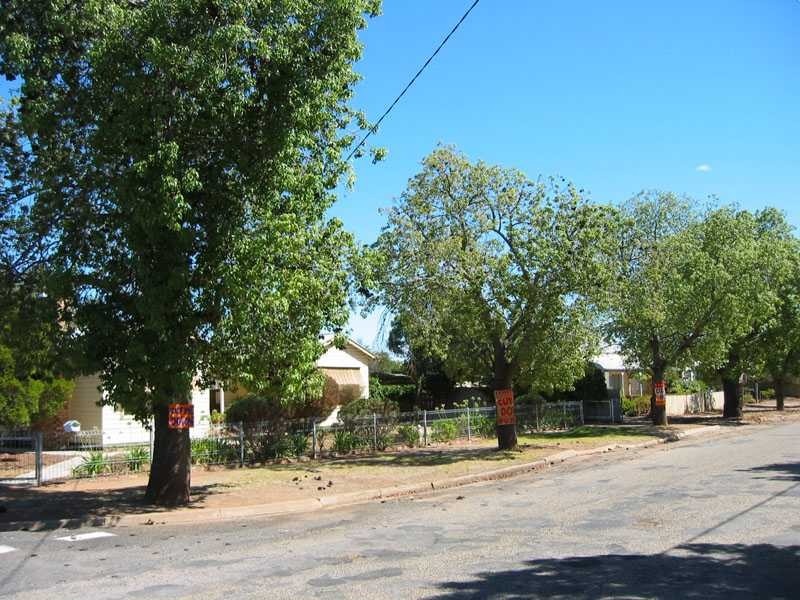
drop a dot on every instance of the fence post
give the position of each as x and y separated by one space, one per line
580 404
424 427
536 414
314 438
152 426
469 426
241 444
38 442
374 432
564 412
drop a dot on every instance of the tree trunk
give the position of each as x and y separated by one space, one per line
657 413
170 470
779 393
506 434
732 408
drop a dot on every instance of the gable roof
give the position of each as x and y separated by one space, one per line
327 342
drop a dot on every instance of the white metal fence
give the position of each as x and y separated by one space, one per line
94 453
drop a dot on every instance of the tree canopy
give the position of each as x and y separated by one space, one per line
181 156
686 284
494 273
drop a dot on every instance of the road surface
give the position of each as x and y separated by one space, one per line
717 518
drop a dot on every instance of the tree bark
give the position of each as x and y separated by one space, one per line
732 408
170 470
506 434
779 393
658 413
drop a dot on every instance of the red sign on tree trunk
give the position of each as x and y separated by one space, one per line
181 416
660 389
505 407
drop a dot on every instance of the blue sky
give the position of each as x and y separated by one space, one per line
617 96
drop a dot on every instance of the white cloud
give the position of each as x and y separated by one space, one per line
704 168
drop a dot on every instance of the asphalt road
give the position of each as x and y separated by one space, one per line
717 518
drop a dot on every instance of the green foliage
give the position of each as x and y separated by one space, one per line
216 417
767 393
211 451
685 283
684 386
344 442
300 443
444 430
481 263
777 351
136 458
179 158
253 409
635 406
94 464
483 426
23 399
409 435
395 394
591 387
377 404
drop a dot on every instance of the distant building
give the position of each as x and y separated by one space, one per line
619 374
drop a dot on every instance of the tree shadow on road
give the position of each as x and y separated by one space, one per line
43 508
789 471
707 571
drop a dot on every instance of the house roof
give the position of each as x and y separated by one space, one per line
327 341
610 359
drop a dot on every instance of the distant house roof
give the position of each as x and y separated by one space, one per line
610 359
354 347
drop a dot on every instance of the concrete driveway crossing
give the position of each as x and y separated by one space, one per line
711 518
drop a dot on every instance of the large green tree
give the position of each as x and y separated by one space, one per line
494 273
769 242
32 382
183 154
778 345
683 295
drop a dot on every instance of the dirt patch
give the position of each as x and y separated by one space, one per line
13 464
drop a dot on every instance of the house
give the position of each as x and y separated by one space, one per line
346 378
117 427
346 372
619 374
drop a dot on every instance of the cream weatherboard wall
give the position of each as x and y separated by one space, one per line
118 427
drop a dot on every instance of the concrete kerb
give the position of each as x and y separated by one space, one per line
192 515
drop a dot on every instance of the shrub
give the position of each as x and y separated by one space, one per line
281 447
137 457
383 440
343 442
217 418
767 393
483 426
445 430
208 451
94 464
635 406
366 407
299 443
682 386
253 409
409 435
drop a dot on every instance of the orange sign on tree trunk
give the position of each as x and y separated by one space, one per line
660 389
181 416
505 407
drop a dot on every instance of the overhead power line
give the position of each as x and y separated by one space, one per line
374 128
